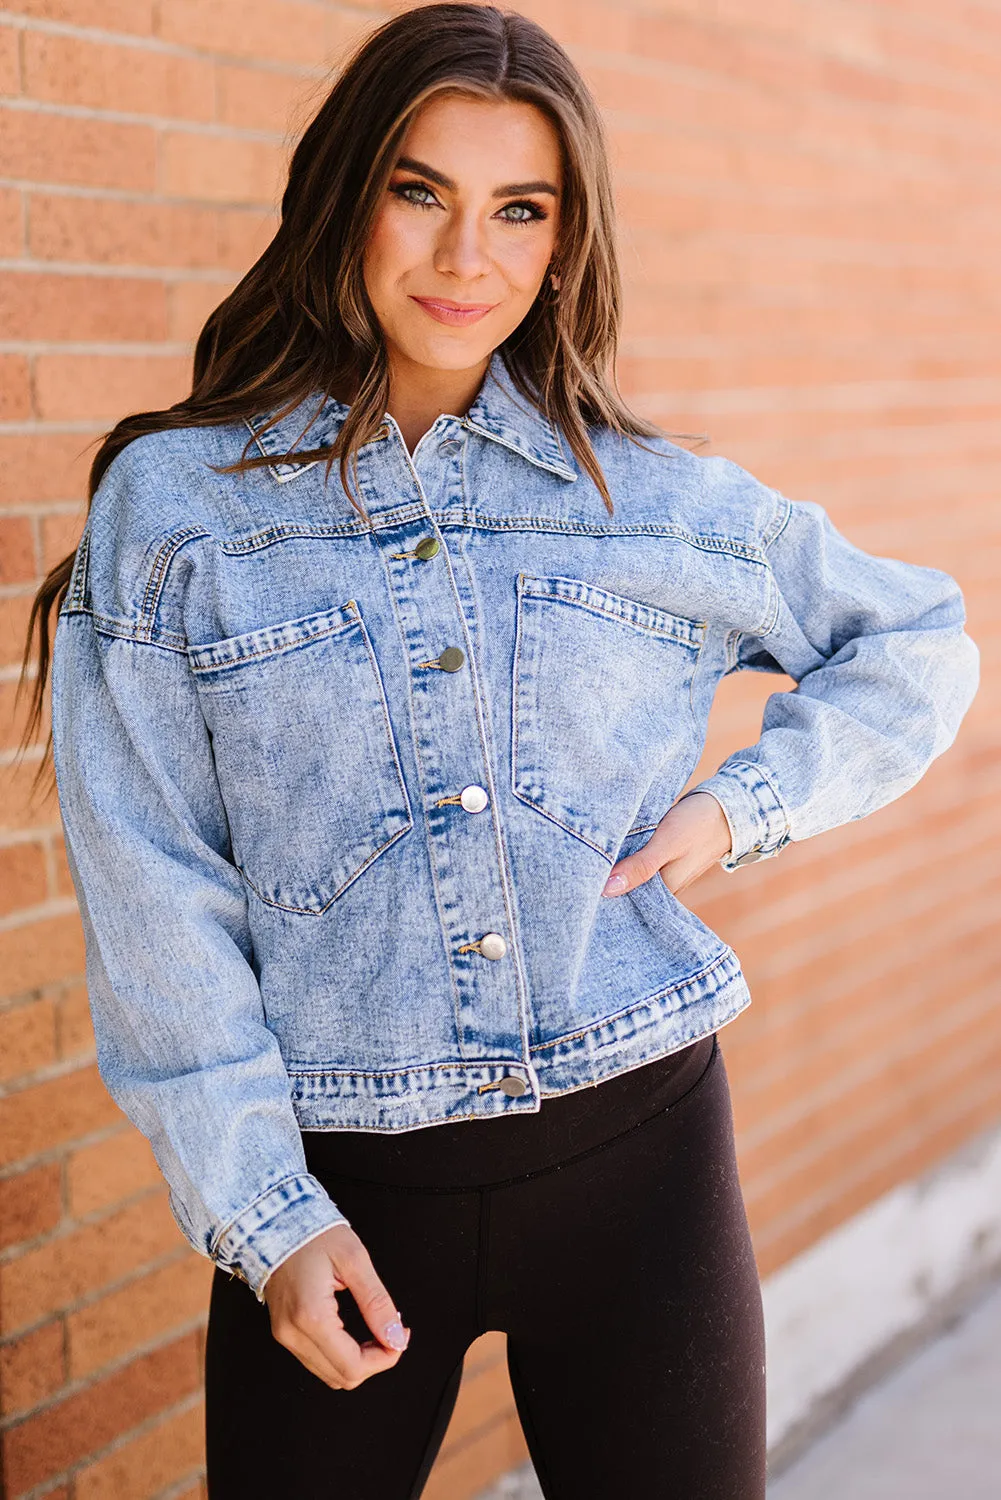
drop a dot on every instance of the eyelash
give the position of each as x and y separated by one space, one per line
537 214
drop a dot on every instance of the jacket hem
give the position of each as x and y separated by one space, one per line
435 1093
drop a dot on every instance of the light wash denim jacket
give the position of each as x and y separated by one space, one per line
340 798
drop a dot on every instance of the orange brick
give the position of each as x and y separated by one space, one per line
23 878
27 1038
24 806
34 305
127 79
15 388
285 30
44 950
116 232
49 1114
10 70
267 99
45 1445
107 1171
74 1026
164 1455
14 612
468 1469
245 234
37 467
51 148
62 884
221 169
60 534
145 1309
11 222
32 1368
190 304
14 715
85 1259
484 1397
18 560
132 16
30 1203
91 387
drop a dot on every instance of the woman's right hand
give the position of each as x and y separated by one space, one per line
304 1317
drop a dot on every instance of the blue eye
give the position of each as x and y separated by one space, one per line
403 188
533 215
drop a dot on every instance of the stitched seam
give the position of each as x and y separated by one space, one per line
571 1036
122 630
317 911
158 574
227 664
661 632
289 1177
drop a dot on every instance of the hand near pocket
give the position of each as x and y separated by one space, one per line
690 837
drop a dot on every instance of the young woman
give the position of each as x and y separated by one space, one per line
379 673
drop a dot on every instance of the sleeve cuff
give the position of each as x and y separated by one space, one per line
279 1222
757 817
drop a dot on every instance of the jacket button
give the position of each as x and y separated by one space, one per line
449 445
451 659
515 1087
473 798
492 945
750 857
428 546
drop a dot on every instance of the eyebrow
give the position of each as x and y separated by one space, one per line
509 190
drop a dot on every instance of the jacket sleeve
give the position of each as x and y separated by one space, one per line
884 674
182 1042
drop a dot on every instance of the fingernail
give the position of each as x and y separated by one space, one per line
395 1335
614 884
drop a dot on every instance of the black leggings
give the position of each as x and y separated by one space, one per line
618 1264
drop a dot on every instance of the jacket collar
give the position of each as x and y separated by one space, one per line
499 413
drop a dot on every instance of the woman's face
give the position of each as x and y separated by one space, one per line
463 238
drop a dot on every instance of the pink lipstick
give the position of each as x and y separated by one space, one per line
458 314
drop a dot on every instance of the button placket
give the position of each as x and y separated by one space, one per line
467 864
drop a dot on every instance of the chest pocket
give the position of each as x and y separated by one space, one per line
305 754
602 704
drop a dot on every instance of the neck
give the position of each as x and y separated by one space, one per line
418 394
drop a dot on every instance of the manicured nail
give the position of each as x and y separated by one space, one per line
614 885
395 1335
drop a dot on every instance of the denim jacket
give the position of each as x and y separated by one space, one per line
340 797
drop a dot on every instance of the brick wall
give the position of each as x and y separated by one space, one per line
810 236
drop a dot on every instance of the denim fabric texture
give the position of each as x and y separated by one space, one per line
340 798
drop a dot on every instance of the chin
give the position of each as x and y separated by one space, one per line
455 352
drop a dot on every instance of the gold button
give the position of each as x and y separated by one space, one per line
427 547
451 659
473 798
515 1087
492 945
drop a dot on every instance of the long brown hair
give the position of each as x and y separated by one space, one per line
300 321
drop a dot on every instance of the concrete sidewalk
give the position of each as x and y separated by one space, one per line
930 1431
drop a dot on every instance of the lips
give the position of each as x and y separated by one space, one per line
458 314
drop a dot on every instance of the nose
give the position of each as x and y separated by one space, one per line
460 250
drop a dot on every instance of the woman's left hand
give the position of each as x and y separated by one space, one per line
691 836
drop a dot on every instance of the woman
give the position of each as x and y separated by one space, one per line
379 673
